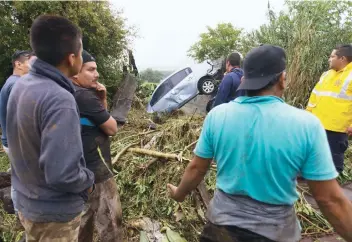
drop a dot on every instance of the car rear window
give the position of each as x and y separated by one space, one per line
169 84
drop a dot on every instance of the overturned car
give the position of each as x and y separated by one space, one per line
183 85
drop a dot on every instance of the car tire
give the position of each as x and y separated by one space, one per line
206 86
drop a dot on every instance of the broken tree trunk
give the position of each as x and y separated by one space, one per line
123 98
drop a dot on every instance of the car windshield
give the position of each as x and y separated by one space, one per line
169 84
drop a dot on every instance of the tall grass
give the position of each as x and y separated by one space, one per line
308 31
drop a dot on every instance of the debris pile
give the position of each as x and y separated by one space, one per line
146 159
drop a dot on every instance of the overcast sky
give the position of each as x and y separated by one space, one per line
168 28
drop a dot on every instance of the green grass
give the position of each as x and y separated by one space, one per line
7 221
4 162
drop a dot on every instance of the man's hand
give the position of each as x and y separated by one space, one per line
174 194
101 91
194 174
349 131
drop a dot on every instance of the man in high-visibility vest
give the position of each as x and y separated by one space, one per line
331 102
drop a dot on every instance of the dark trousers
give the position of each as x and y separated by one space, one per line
338 145
217 233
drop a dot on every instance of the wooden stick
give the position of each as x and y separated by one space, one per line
154 153
146 166
122 152
190 145
152 141
135 135
204 194
158 154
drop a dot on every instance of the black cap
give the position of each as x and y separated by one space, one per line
261 66
20 53
87 57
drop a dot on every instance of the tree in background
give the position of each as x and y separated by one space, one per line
150 75
155 76
308 31
216 43
105 34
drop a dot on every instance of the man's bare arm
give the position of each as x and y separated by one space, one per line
334 205
191 178
109 127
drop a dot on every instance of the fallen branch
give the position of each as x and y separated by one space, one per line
136 135
314 225
152 141
157 154
190 145
204 194
117 157
146 166
199 209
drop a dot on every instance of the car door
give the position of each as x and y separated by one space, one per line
185 88
166 97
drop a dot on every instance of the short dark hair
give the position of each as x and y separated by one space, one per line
20 55
54 37
234 59
252 93
344 50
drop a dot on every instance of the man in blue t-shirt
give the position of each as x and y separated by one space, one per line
20 64
260 145
231 81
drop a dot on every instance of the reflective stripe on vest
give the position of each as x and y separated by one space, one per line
342 94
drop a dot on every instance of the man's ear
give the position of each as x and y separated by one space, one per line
75 77
17 64
282 81
71 59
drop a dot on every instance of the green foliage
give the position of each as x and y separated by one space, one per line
4 162
104 33
150 75
145 91
308 31
216 42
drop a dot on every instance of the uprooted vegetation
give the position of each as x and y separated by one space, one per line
142 178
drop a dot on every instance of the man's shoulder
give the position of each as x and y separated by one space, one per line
233 75
9 83
300 117
41 90
84 94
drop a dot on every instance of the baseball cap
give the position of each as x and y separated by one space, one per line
20 53
87 57
261 66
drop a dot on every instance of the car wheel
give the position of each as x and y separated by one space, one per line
206 86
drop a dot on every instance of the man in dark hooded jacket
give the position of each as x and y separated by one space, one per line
231 81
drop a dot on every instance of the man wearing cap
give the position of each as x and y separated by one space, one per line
331 102
231 81
20 64
103 209
258 162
